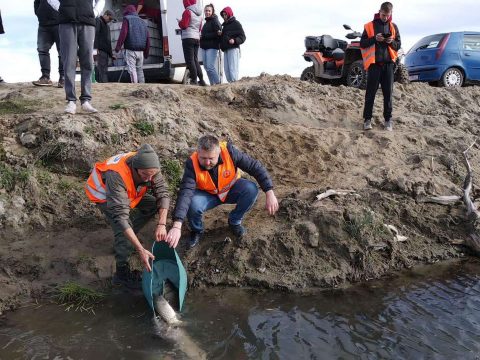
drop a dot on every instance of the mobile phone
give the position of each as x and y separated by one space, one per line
386 36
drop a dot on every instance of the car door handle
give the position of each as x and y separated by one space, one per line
467 54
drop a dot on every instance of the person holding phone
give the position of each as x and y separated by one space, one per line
380 43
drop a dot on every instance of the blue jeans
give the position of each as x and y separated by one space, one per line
230 58
244 193
210 57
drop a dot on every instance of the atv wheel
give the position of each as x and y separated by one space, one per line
401 74
308 75
356 75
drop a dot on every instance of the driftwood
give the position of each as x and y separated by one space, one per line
331 192
442 200
396 235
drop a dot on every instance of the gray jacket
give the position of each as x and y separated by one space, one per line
117 200
192 31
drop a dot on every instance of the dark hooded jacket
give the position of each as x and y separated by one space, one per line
47 16
103 40
210 38
381 48
232 29
76 11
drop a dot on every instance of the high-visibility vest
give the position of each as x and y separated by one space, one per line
368 54
96 189
227 174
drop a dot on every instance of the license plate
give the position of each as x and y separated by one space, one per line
413 77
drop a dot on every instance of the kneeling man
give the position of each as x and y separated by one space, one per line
212 178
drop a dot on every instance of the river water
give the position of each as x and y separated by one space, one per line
427 313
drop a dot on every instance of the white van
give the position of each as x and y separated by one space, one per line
165 60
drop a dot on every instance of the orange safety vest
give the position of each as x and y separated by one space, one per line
227 174
368 54
96 189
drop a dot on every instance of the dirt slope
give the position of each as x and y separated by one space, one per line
307 135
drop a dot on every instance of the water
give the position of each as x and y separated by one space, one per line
432 313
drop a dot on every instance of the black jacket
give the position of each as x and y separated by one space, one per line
103 40
210 38
47 16
240 160
76 11
2 31
381 48
232 29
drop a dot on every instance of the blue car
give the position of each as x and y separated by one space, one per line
449 59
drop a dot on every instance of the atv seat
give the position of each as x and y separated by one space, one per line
329 44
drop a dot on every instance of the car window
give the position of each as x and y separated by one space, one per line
471 42
428 42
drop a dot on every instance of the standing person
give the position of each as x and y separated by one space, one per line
211 178
135 39
2 31
232 37
190 24
47 35
103 44
380 43
210 43
118 187
77 33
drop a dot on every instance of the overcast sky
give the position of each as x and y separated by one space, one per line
275 30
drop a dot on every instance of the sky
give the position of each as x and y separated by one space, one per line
275 30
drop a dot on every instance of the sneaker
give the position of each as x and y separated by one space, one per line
43 81
202 83
238 230
367 125
194 240
61 83
71 107
388 125
87 107
124 277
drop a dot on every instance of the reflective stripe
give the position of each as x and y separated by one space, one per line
96 180
222 196
99 195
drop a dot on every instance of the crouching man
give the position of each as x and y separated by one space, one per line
119 188
212 178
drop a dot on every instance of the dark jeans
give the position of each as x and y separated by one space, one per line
244 193
102 66
383 75
190 52
46 37
143 212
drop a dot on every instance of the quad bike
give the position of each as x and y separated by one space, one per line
337 62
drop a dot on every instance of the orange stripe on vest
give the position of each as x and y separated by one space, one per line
368 54
227 174
96 189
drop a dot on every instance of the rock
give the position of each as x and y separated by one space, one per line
29 140
308 231
225 95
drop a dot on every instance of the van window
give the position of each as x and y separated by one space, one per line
428 42
471 42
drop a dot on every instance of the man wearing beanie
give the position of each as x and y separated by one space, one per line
118 186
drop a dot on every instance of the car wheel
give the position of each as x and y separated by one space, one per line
401 74
308 74
453 77
356 75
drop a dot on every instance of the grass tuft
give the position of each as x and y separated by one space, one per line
144 128
172 170
77 298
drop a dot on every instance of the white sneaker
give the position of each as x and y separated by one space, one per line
87 107
71 107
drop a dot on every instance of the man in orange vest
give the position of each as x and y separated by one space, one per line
118 186
211 178
379 44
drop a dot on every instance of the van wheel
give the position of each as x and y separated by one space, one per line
453 77
356 75
308 75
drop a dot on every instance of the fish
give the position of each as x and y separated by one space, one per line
165 310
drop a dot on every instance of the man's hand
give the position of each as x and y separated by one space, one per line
389 40
379 37
145 256
231 41
161 233
271 203
174 234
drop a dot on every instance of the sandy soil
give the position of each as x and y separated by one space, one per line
309 137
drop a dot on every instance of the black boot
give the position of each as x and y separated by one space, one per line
194 240
237 230
124 277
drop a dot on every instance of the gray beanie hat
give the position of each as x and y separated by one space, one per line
146 158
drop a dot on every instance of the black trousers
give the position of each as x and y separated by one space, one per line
379 75
190 52
46 37
102 66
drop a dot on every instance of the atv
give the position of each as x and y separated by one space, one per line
336 62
